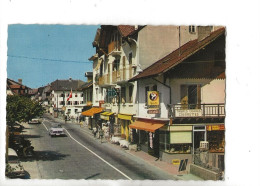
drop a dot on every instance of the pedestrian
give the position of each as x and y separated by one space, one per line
101 134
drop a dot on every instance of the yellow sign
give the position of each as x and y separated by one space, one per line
176 162
153 98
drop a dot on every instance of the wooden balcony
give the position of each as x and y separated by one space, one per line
114 46
104 80
122 75
197 110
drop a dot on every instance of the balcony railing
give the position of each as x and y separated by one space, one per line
104 80
197 110
122 74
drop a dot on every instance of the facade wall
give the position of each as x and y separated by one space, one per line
212 91
164 94
72 107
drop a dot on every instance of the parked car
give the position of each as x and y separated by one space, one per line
56 130
34 121
14 169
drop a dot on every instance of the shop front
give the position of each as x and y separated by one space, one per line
93 115
124 120
108 119
147 132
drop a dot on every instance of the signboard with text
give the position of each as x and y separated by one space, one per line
188 113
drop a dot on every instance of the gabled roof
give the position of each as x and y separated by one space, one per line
178 55
66 85
86 85
126 30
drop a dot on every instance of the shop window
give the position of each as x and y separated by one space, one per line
216 140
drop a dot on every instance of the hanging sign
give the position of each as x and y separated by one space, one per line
153 99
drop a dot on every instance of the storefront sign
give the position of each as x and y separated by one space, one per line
157 111
176 162
215 127
188 113
153 99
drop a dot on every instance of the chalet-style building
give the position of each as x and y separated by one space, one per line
181 106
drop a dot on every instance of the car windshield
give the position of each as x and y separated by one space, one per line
13 159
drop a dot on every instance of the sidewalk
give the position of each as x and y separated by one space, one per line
164 166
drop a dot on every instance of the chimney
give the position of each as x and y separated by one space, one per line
20 81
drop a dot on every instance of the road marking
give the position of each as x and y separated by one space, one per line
45 125
99 156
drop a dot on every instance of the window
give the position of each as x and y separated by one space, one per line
76 102
192 29
76 110
116 64
81 102
130 58
146 91
69 111
191 96
154 88
76 95
82 95
123 95
131 94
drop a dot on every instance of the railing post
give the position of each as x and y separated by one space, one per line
203 110
218 110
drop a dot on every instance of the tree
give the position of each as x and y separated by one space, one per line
22 109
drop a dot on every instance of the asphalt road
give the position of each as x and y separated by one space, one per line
80 156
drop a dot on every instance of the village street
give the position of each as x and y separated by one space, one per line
80 156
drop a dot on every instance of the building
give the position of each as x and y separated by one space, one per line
16 88
181 107
124 51
67 100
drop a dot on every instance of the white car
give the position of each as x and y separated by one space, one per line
34 121
14 169
56 130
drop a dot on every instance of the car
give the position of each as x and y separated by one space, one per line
56 130
34 121
14 169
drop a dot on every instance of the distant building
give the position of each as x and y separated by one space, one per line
62 105
16 88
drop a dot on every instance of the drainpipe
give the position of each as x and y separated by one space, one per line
137 84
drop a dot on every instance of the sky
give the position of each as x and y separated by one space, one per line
39 54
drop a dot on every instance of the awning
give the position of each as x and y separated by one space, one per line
92 111
125 116
149 126
105 115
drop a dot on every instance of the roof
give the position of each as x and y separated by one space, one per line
69 84
178 55
126 30
86 85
